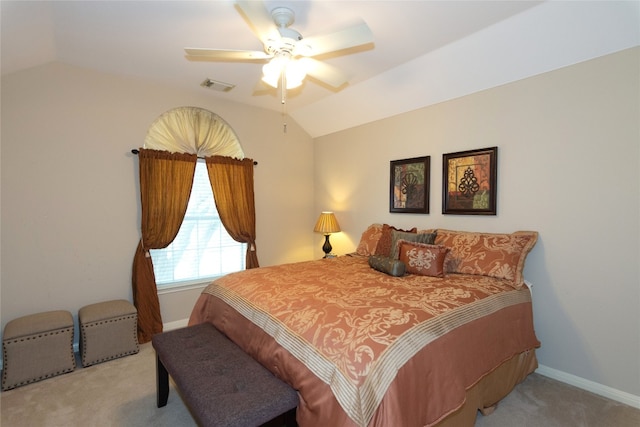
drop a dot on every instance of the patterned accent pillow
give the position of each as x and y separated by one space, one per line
422 258
392 267
384 244
410 237
488 254
369 240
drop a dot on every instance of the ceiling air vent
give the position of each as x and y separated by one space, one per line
216 85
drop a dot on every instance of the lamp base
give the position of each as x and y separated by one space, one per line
327 246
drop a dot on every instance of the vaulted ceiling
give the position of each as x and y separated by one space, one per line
424 52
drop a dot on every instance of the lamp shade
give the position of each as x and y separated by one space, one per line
327 224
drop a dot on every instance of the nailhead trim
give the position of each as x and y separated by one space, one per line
5 357
85 326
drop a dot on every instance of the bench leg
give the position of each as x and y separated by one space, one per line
290 418
162 383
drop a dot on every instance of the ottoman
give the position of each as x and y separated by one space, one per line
36 347
108 330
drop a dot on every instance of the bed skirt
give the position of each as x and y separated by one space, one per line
496 385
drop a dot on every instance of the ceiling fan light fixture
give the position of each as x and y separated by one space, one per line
271 80
271 71
295 74
294 71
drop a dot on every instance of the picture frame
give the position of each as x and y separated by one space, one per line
469 182
409 185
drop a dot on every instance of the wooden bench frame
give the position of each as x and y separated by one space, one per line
219 383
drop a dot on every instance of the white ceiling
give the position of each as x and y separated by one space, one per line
424 51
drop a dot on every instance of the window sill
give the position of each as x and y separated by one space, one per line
185 286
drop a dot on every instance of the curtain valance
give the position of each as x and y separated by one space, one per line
193 130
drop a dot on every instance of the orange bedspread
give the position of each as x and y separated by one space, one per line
355 328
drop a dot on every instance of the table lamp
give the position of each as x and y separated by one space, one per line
326 225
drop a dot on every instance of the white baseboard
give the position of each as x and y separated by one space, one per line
593 387
175 325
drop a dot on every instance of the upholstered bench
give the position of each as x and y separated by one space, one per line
108 330
221 384
36 347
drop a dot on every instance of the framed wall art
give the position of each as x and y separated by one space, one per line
409 185
469 182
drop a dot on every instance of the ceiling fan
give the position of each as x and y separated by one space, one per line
288 56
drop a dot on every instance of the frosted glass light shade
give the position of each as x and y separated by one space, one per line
294 72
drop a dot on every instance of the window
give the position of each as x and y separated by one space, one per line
203 249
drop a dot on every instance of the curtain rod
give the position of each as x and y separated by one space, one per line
136 151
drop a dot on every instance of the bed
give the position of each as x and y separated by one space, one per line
367 346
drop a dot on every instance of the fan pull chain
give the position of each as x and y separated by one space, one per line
283 86
284 118
283 89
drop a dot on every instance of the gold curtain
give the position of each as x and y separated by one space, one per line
165 185
232 184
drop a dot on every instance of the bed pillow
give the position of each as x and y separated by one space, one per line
428 230
369 240
488 254
422 258
384 244
397 235
392 267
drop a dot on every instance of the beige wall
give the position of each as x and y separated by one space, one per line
568 166
70 203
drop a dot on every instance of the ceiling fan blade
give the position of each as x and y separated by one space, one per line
324 72
356 35
226 54
259 19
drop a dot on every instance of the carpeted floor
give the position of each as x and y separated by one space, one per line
121 393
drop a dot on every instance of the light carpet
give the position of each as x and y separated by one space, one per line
122 393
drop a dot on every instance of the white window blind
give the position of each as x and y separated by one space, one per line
203 249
